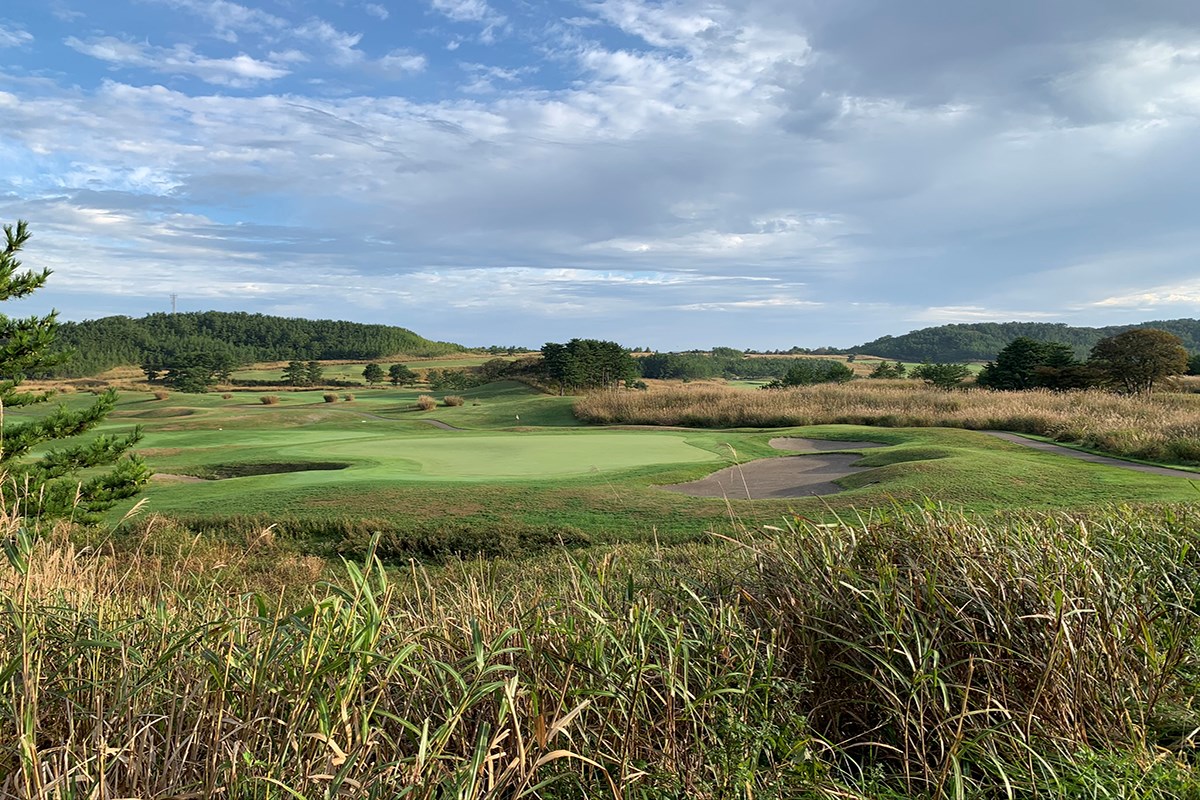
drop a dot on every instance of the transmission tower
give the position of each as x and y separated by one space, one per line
174 297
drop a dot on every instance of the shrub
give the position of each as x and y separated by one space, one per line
161 395
330 397
426 403
349 398
453 400
268 399
227 396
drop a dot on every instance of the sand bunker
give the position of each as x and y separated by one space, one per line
792 476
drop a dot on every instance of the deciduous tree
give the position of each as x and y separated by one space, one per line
1135 360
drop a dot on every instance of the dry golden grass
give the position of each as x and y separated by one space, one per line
1159 427
913 654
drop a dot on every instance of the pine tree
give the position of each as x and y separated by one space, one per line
295 374
47 486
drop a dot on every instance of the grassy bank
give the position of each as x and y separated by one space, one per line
1160 427
911 653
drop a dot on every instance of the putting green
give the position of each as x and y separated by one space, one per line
447 456
517 456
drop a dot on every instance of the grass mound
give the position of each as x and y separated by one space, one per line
915 653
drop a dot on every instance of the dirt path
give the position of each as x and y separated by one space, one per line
1092 457
437 423
793 476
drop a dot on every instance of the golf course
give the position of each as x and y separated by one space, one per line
514 461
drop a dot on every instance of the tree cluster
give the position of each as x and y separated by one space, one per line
722 362
585 364
885 370
811 371
1025 363
1132 362
303 373
195 367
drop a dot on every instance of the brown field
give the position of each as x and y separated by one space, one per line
1159 427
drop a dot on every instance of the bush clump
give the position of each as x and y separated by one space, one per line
227 396
268 399
453 400
161 395
349 398
330 397
426 403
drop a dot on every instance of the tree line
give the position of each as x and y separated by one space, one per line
172 339
1131 362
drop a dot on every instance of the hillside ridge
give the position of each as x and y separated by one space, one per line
108 342
980 341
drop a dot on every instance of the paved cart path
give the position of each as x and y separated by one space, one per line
1092 457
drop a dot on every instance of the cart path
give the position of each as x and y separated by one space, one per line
1092 457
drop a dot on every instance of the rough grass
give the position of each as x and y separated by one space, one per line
916 653
1158 427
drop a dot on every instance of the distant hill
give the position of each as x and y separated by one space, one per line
980 341
115 341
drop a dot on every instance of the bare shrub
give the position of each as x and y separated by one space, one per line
349 398
453 400
161 395
227 396
268 399
330 397
426 403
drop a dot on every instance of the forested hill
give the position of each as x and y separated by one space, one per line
980 341
114 341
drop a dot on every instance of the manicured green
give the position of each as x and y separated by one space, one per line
521 463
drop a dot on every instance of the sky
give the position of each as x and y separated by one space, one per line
691 173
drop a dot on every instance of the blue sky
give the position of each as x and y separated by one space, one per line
753 173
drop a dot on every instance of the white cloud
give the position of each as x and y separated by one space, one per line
341 46
403 61
465 10
758 304
239 71
227 18
942 315
1186 293
376 10
477 11
13 35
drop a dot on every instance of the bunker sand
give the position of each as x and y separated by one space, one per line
774 478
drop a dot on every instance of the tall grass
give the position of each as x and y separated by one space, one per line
1161 426
911 653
